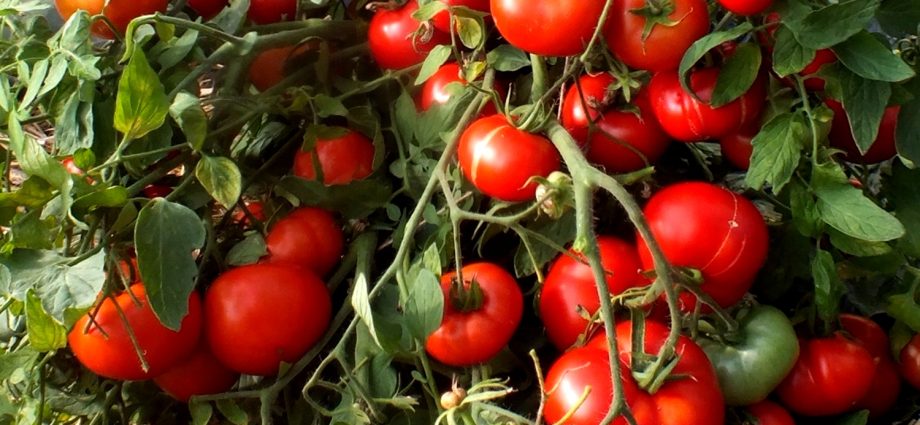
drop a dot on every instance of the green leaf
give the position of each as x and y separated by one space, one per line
903 193
805 215
828 288
700 47
904 308
439 54
360 300
327 106
247 251
856 418
857 247
201 412
908 130
867 57
737 74
165 235
506 58
427 11
186 111
32 158
864 102
141 104
424 308
232 411
848 210
561 231
777 151
354 200
221 177
45 334
898 18
471 31
110 197
177 49
790 56
833 24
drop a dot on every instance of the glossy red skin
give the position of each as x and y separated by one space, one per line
120 12
263 12
106 348
737 147
434 91
207 9
499 159
868 333
709 228
694 399
441 21
548 27
343 159
663 49
156 191
474 337
259 315
746 7
770 413
390 38
886 385
570 284
198 374
910 362
624 141
307 237
579 109
689 120
830 377
841 136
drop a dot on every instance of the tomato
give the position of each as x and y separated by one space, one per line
473 332
393 41
886 385
868 333
307 237
830 377
689 120
746 7
435 90
441 21
119 12
105 347
570 287
548 27
709 228
822 56
737 147
580 108
268 67
259 315
910 361
264 12
769 413
691 396
199 374
71 166
841 137
666 44
156 190
500 159
207 9
754 360
625 141
343 159
256 208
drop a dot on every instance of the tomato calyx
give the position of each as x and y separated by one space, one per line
465 298
656 12
556 194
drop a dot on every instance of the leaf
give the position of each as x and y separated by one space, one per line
848 210
700 47
856 418
857 247
737 75
221 177
439 54
186 111
867 57
805 215
506 58
908 130
327 106
903 193
431 259
178 49
45 334
354 200
19 360
360 300
777 151
232 411
200 411
247 251
864 102
790 56
470 31
828 288
833 24
165 235
424 308
141 104
898 18
561 231
32 158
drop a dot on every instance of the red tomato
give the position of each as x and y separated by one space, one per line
625 141
434 91
580 108
822 56
156 191
106 348
746 7
770 413
570 285
499 159
712 229
392 39
270 66
343 159
689 120
256 208
548 27
868 333
692 396
886 385
737 147
665 45
198 374
308 237
831 375
207 9
466 338
259 315
71 166
264 12
120 12
441 21
910 361
883 148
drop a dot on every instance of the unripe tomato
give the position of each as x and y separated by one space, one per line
103 345
548 27
119 12
393 41
307 237
441 21
663 47
343 159
264 12
198 374
746 7
883 148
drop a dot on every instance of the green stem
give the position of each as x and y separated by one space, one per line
597 32
538 86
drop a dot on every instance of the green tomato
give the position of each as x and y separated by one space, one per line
753 361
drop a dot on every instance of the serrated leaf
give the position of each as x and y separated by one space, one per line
506 58
431 259
438 55
141 104
790 56
828 288
187 112
805 215
165 236
737 74
904 308
867 57
864 102
221 177
247 251
45 334
848 210
834 23
424 307
857 247
700 47
777 151
32 158
561 231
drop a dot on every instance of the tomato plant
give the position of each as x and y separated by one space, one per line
549 28
673 29
342 159
394 38
307 237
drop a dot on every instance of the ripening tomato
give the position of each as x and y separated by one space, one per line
102 342
393 40
910 361
441 21
769 413
435 90
746 7
831 376
570 288
343 159
207 9
841 137
690 396
663 47
548 27
711 229
737 147
260 315
199 374
478 321
689 120
307 237
264 12
119 12
500 159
